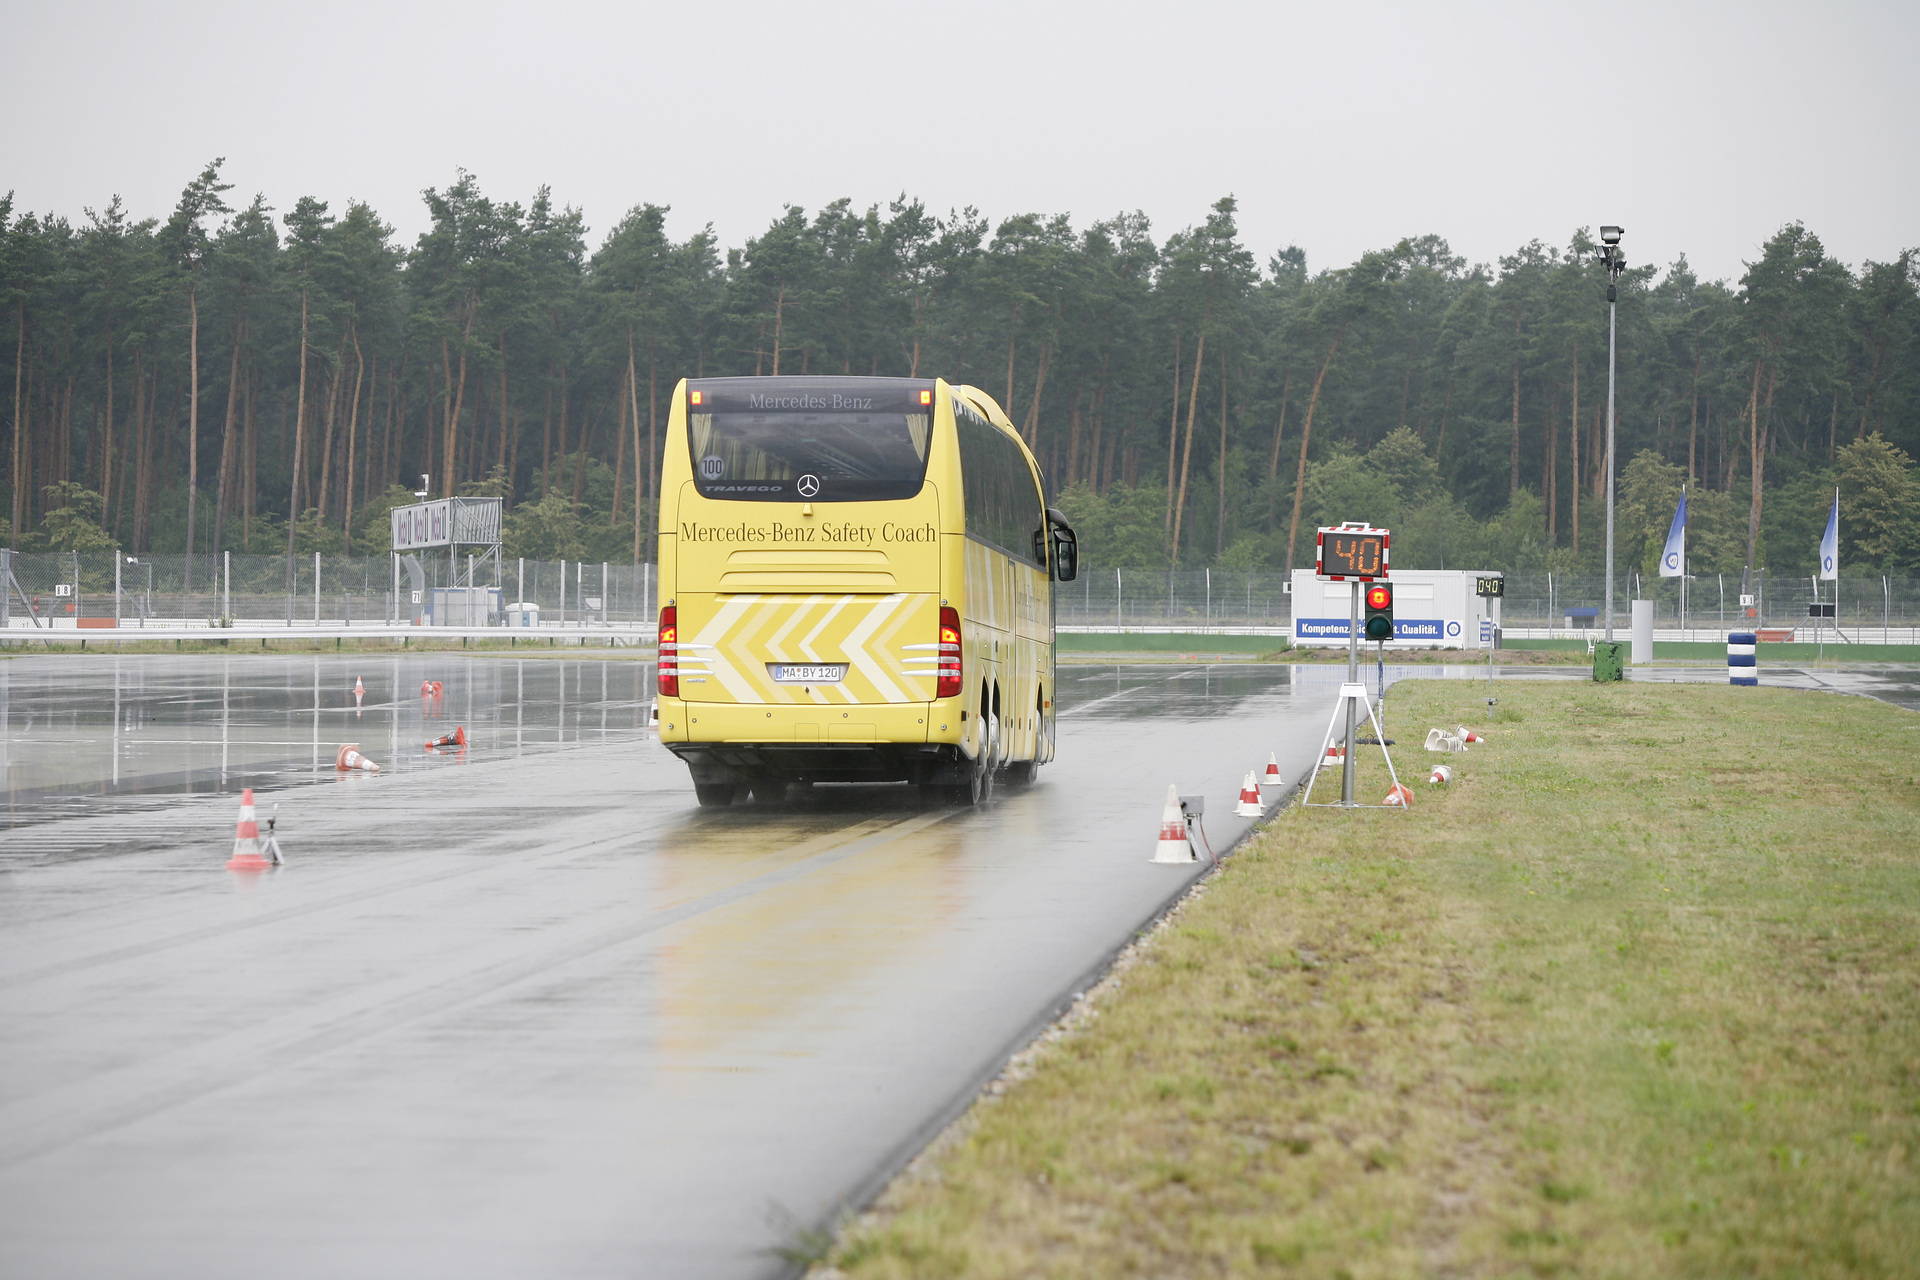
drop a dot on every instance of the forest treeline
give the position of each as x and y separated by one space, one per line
232 376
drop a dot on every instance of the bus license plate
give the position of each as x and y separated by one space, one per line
808 673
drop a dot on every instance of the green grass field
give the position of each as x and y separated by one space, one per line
1716 653
1639 995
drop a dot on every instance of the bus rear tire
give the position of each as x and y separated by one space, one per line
1021 773
714 795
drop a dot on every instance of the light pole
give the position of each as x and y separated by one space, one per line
1615 263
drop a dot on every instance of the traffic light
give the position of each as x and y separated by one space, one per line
1379 611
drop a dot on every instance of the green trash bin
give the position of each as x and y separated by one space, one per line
1607 662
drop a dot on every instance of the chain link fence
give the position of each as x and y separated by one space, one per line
80 589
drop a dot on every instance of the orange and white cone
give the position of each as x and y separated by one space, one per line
1249 806
1335 753
1468 735
426 688
1174 847
246 839
1272 776
350 759
359 691
458 738
1398 797
1442 775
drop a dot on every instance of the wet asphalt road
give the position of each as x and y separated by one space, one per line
527 1010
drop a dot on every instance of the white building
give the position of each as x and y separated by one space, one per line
1432 609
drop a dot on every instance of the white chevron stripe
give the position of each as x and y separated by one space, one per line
714 633
863 660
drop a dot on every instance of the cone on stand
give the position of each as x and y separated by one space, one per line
1398 797
1442 775
350 759
1272 776
246 839
1249 806
1174 847
458 738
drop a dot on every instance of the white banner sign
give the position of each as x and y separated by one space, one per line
425 524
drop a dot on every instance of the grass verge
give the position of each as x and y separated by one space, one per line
1638 996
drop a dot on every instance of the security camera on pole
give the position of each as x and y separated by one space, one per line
1357 554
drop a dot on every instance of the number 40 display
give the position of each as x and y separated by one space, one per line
1352 551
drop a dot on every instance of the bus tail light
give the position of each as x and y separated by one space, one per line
669 662
949 681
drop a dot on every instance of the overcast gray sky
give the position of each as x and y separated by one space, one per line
1700 127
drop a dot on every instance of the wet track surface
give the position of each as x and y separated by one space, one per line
528 1010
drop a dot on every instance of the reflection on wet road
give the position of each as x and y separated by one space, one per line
125 727
537 1013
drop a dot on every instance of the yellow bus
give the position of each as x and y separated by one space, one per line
856 585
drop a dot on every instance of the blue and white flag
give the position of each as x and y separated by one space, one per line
1830 543
1673 561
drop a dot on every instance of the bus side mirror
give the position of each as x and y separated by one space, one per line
1066 554
1066 548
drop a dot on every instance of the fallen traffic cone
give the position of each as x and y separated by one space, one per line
1272 776
458 738
359 691
426 688
1174 845
350 759
1249 806
438 688
1468 735
1398 797
1442 774
1441 740
246 839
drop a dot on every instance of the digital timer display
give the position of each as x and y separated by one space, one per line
1346 554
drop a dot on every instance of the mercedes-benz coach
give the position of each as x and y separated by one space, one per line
856 585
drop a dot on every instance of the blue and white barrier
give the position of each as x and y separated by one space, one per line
1741 664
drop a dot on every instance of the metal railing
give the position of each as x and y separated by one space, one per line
67 590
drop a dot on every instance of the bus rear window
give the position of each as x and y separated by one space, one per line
802 441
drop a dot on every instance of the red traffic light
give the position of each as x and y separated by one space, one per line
1379 596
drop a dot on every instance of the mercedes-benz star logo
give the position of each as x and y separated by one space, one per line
808 485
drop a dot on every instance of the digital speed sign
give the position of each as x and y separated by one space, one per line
1351 551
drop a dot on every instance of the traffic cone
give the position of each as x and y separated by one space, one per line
458 738
1442 774
438 688
246 839
1174 845
1398 797
426 688
350 759
359 691
1468 735
1336 752
1272 776
1441 740
1249 806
